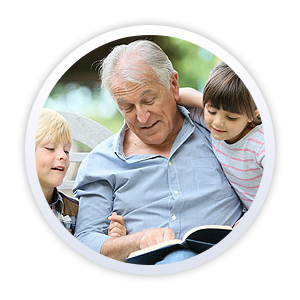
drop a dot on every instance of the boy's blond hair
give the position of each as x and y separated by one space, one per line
52 127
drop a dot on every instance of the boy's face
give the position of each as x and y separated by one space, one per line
224 125
52 163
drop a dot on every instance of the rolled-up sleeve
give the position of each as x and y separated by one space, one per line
92 222
95 204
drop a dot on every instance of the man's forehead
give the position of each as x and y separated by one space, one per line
123 88
136 72
144 94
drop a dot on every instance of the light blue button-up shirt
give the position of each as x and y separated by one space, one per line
186 190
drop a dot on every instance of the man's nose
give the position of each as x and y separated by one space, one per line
142 114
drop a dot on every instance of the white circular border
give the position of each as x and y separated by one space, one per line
73 58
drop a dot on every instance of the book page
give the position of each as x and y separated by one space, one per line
155 247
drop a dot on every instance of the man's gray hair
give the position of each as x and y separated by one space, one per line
127 62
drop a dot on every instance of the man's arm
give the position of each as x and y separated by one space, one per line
93 221
119 248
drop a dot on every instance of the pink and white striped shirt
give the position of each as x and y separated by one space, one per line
242 162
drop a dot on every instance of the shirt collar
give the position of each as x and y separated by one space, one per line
57 201
186 114
118 142
119 137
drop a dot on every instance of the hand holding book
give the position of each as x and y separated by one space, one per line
156 243
198 239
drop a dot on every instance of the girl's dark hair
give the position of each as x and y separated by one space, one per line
226 90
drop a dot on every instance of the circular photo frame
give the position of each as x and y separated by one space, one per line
212 43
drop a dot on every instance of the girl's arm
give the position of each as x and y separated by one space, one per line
190 97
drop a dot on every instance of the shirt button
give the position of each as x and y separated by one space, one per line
173 218
170 164
176 192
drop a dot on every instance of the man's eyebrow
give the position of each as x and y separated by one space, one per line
148 91
121 101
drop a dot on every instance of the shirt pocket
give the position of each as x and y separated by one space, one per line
211 180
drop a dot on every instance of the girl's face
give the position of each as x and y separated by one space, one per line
225 125
52 163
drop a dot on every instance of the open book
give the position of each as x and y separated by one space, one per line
197 239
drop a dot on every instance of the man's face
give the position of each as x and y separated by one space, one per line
149 109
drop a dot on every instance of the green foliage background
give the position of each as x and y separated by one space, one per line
79 89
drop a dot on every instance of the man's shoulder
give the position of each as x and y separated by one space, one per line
104 145
99 160
69 199
204 131
103 150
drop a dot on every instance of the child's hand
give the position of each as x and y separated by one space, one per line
117 225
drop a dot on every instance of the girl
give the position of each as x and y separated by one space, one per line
228 111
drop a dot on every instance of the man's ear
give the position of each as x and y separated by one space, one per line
174 86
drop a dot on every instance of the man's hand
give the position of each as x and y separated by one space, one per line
120 247
155 236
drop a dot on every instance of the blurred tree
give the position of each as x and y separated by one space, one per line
192 62
78 89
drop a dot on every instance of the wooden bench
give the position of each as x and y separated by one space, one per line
89 134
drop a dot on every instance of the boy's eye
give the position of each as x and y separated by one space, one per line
50 149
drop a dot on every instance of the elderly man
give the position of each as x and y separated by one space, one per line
158 171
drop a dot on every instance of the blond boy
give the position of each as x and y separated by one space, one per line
52 146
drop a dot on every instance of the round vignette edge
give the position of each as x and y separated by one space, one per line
73 58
